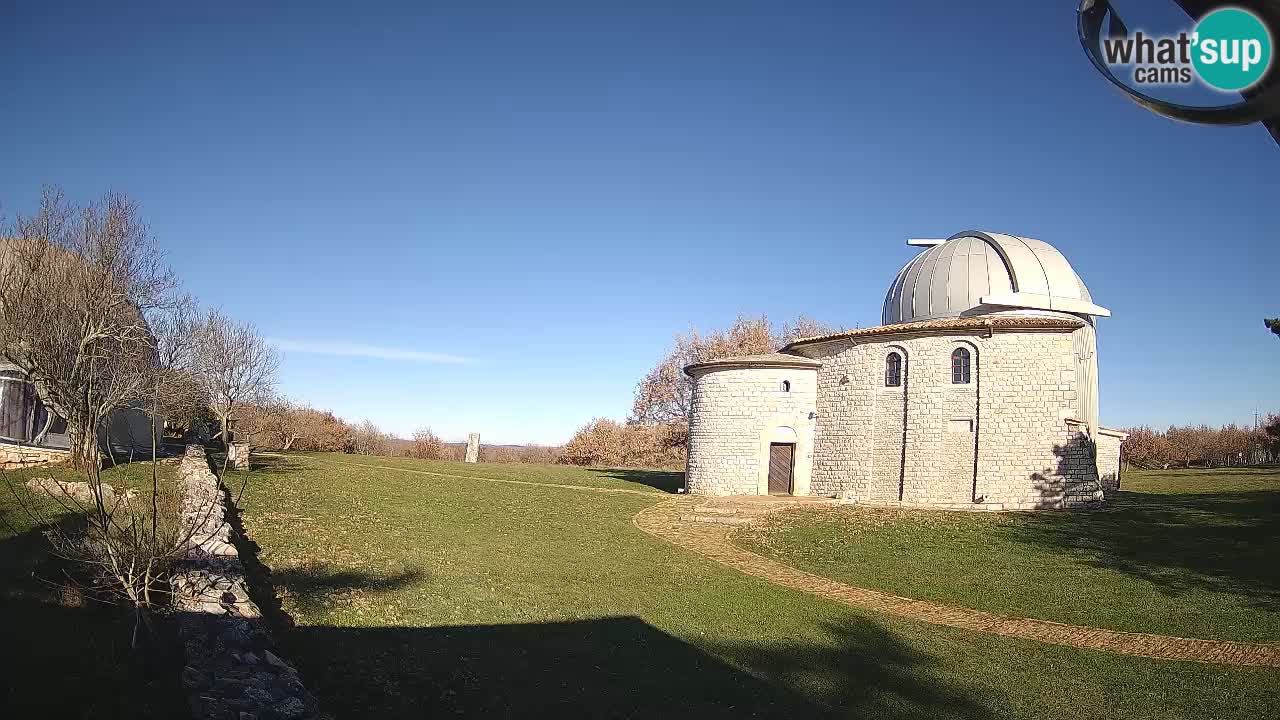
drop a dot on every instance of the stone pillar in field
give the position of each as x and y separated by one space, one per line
473 447
238 456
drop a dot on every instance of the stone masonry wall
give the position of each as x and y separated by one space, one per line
734 410
1024 443
942 420
848 441
889 427
232 671
19 456
1109 443
1010 419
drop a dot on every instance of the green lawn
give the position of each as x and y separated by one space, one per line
67 656
1191 553
424 595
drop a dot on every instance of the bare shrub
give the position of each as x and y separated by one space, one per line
426 446
274 424
368 439
321 430
608 443
283 424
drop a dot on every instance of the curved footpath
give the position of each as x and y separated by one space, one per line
669 520
664 520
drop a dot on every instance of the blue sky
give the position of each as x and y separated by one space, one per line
494 217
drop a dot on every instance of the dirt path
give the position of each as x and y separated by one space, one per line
664 520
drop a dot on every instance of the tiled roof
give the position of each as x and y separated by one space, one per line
981 322
766 360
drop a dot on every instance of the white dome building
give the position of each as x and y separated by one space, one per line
979 391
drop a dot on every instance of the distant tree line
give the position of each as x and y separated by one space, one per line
284 426
1203 446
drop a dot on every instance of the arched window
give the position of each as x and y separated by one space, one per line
893 370
960 366
786 386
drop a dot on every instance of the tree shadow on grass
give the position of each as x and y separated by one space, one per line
665 480
1224 542
273 463
864 669
314 587
615 667
65 655
606 667
311 586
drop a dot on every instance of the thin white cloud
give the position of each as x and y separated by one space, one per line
361 350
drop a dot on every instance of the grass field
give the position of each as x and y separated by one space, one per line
67 656
421 590
1191 553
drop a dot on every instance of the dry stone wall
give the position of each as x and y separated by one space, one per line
232 671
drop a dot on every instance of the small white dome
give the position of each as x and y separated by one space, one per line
975 273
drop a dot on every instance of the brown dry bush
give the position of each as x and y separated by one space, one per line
1203 446
426 445
608 443
282 424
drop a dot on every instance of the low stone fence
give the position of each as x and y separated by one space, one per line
13 457
232 671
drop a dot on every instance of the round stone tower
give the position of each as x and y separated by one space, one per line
751 425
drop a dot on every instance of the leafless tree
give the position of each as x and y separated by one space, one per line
176 395
321 430
1203 445
663 395
282 424
87 312
234 366
275 423
426 445
77 286
368 439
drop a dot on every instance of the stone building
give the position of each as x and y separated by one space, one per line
978 391
31 433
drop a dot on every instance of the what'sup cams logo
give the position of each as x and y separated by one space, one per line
1229 49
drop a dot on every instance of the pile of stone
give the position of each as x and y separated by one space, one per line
79 492
232 671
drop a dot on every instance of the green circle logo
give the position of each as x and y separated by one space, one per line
1232 49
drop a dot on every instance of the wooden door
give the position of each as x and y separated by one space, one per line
781 462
